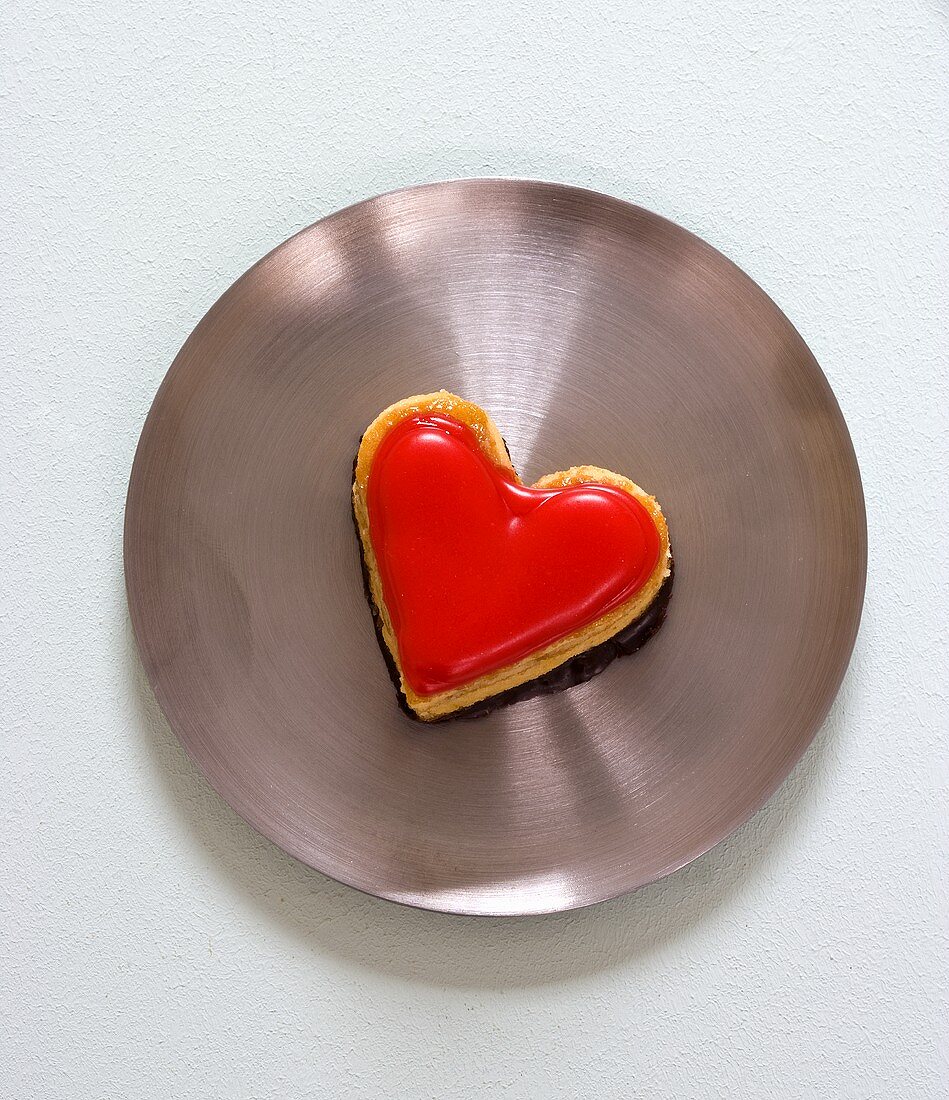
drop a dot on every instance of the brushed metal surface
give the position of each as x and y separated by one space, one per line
594 332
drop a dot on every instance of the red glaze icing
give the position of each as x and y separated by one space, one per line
479 571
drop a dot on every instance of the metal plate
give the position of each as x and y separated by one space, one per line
594 332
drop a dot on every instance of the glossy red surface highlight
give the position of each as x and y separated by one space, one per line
479 571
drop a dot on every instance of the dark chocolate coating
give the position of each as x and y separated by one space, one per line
577 670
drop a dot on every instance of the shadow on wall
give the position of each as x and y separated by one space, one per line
497 952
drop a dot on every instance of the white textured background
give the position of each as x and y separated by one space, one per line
153 945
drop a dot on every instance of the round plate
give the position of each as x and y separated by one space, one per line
593 332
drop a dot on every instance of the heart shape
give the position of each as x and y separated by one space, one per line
479 571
